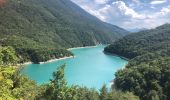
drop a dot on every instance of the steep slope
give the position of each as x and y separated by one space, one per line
41 27
155 40
148 71
54 23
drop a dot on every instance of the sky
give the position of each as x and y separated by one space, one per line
129 14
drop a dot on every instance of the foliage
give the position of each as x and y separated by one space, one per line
14 86
148 71
6 83
7 56
84 93
41 54
51 24
149 41
58 89
58 86
103 93
119 95
23 87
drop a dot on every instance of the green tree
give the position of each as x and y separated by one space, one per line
13 85
6 83
119 95
84 93
153 95
8 56
58 89
103 92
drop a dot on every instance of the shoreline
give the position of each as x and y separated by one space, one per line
81 47
116 55
123 67
25 63
51 60
57 59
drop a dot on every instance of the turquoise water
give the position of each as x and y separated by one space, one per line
90 67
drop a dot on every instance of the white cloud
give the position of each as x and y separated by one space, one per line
127 11
152 20
116 9
153 7
96 13
158 2
165 10
136 1
125 15
101 1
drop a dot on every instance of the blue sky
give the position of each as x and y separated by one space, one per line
129 14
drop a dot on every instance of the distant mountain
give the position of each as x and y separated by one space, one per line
136 30
42 29
135 44
147 73
52 23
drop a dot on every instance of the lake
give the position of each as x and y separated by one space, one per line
90 67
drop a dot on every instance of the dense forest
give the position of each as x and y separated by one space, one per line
41 25
148 73
14 86
40 30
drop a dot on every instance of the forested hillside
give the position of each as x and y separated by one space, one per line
52 24
14 86
148 71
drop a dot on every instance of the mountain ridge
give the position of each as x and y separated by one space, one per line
58 18
36 29
147 73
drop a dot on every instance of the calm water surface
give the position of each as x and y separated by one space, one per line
90 67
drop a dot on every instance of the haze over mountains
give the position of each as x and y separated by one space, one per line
129 14
136 30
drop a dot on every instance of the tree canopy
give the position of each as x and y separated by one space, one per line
51 24
147 73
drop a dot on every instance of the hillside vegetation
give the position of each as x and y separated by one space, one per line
51 24
14 86
148 71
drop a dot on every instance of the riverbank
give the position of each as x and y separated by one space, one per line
116 55
52 60
57 59
81 47
112 81
91 60
26 63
